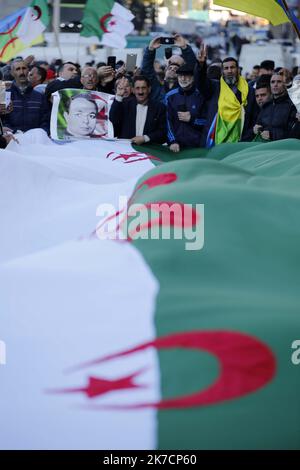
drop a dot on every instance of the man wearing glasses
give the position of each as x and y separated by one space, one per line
89 78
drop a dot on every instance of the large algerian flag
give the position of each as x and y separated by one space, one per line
107 20
143 344
275 11
23 29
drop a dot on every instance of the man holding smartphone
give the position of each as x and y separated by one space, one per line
159 90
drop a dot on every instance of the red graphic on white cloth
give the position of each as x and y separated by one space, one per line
246 365
131 157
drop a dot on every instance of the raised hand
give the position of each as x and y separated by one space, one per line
184 116
202 54
174 148
154 44
121 87
180 41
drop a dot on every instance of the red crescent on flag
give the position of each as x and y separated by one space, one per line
246 364
13 27
6 46
38 11
102 22
132 157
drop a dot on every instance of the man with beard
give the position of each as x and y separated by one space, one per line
29 107
231 104
139 118
185 110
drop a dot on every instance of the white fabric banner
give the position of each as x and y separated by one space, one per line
81 114
67 298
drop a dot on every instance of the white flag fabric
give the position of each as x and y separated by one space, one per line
67 298
31 27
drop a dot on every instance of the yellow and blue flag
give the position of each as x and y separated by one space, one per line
23 28
275 11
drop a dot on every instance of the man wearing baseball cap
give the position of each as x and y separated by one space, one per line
185 112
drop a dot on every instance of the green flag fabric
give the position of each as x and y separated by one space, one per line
243 282
107 20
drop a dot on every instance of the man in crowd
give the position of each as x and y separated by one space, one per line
139 119
185 110
262 93
277 116
266 69
30 109
159 89
36 77
68 77
231 105
89 78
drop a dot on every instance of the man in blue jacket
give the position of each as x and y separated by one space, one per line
185 112
30 109
159 90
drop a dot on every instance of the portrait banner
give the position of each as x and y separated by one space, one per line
81 114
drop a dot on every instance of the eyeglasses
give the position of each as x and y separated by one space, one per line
89 75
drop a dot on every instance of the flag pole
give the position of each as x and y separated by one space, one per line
56 24
295 26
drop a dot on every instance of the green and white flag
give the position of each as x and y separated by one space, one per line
140 343
35 21
107 20
22 28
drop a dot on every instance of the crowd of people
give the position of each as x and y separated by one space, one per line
185 102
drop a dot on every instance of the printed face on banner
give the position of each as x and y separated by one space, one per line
81 114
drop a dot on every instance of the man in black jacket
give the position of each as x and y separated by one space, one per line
277 117
185 111
138 118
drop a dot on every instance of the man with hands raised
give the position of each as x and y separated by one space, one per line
159 90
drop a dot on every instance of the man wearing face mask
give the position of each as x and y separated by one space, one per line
185 112
231 104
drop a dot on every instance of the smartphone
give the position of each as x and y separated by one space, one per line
167 41
168 52
182 108
111 61
131 62
7 98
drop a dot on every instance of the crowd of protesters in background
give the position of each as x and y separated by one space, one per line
186 101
